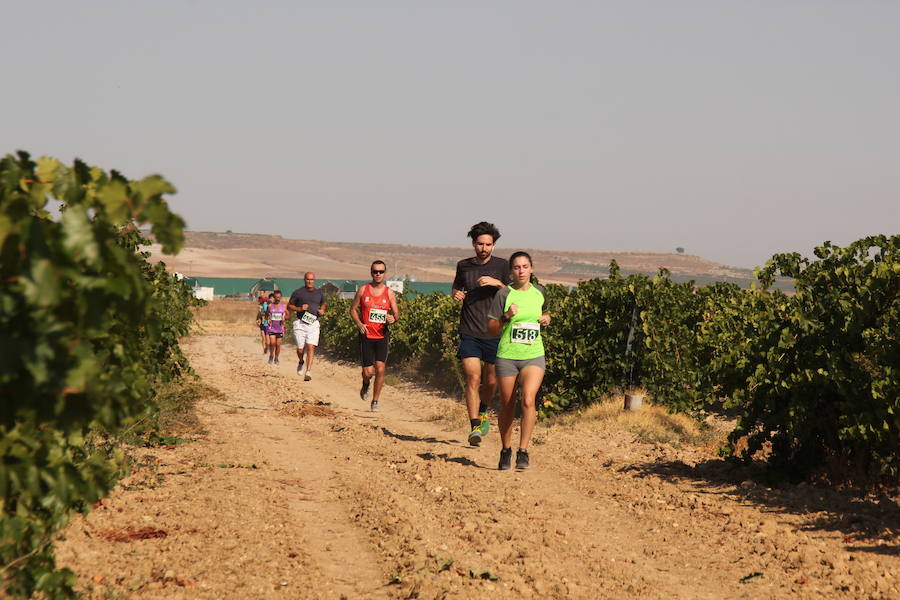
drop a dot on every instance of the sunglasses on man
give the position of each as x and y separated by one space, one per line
374 272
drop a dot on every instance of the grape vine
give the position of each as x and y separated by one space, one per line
89 328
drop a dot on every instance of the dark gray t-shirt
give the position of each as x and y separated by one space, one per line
473 320
315 299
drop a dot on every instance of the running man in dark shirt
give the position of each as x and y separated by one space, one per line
308 304
477 280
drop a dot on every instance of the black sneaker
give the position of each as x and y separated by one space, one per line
364 391
300 366
521 458
505 459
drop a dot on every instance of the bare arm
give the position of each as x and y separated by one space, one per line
293 308
493 328
395 309
321 309
354 312
493 281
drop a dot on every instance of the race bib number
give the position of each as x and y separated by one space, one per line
377 315
524 332
308 318
276 316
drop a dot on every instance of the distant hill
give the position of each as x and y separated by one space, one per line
210 254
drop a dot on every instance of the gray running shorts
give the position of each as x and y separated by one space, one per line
507 367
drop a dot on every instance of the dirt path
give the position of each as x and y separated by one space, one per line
297 491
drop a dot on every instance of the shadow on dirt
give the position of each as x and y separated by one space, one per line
462 460
860 518
414 438
886 550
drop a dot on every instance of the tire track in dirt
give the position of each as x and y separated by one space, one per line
332 541
577 525
479 535
393 504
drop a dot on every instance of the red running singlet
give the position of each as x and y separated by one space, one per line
374 310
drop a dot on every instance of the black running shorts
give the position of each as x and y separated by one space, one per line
373 351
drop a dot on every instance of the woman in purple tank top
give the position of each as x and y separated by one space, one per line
275 316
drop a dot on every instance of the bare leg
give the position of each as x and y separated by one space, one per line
310 354
488 384
300 352
271 340
379 380
367 373
472 370
277 345
530 379
507 409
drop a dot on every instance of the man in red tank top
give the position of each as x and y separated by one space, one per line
374 308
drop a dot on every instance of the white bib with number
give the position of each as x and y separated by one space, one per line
524 332
377 315
276 316
309 318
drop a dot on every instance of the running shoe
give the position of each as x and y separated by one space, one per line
475 436
271 360
364 391
276 362
300 366
374 406
521 459
505 459
485 426
307 377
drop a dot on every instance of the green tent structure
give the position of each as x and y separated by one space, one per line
246 288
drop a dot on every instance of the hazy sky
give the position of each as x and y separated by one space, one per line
733 129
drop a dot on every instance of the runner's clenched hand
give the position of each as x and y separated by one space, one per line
512 311
459 295
486 280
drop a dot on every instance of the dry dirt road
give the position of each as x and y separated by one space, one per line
295 490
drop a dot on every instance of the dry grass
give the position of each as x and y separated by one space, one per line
227 317
449 415
649 424
306 409
177 405
227 311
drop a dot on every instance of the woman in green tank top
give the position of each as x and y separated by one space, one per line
517 314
